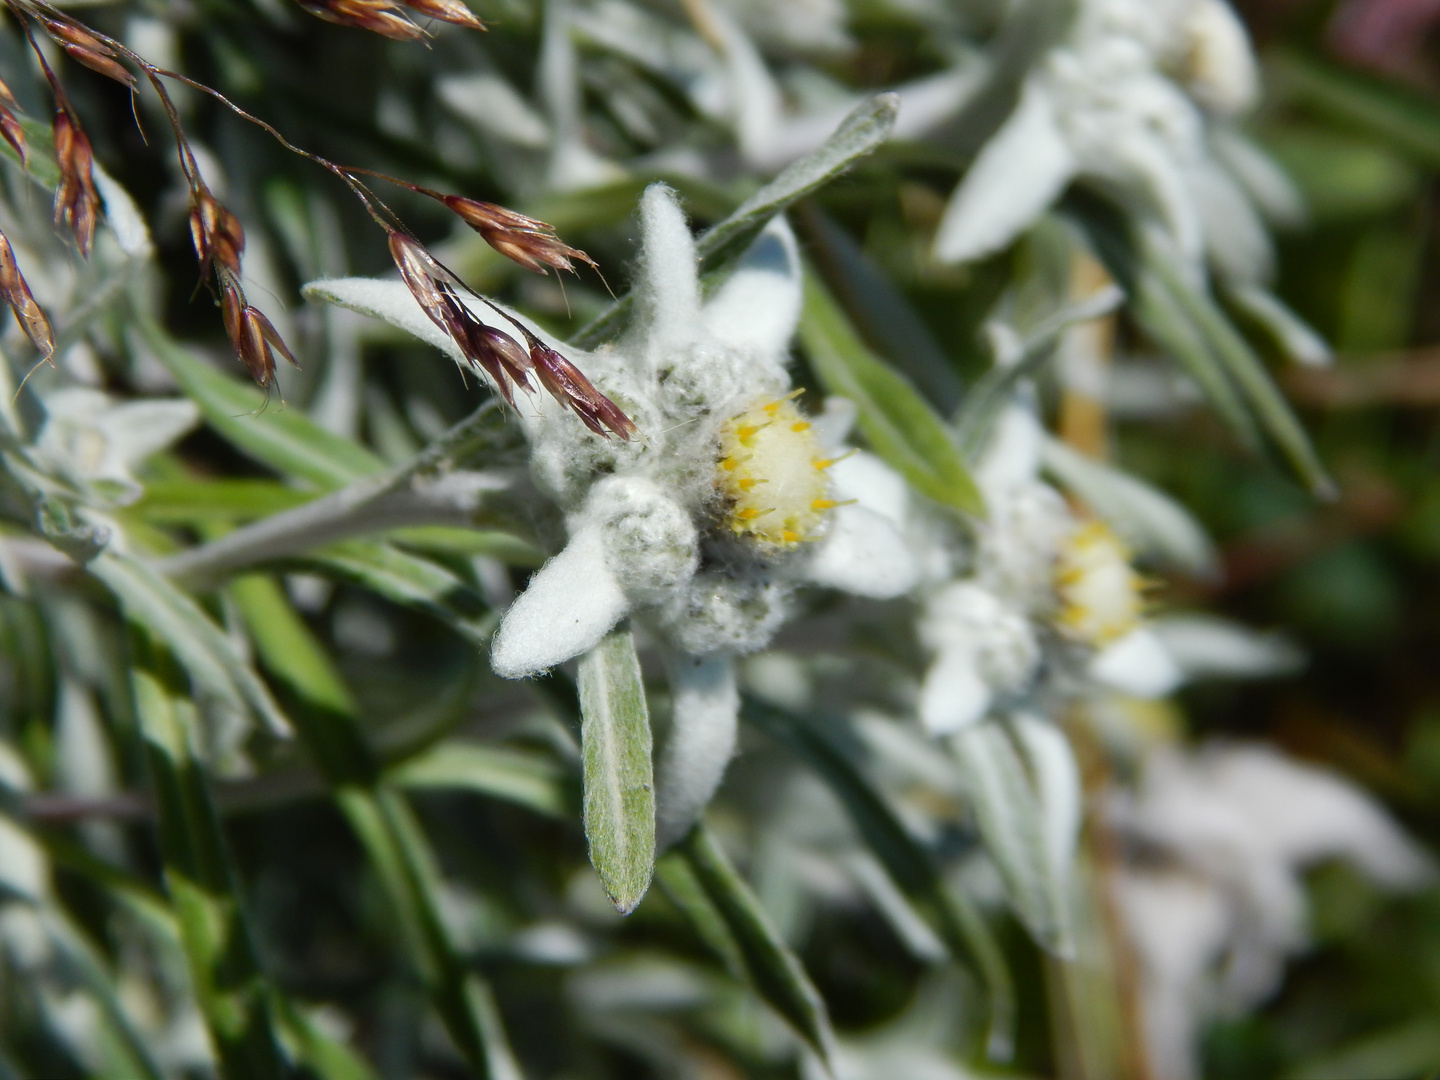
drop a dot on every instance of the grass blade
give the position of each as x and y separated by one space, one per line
615 744
897 422
201 647
284 439
382 819
233 995
769 966
949 914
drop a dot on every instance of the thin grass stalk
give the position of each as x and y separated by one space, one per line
232 992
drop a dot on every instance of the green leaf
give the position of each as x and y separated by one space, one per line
769 966
1382 109
948 913
1023 814
992 392
185 502
382 819
526 778
232 992
859 134
409 580
1184 319
201 647
897 422
282 438
1246 369
619 799
867 126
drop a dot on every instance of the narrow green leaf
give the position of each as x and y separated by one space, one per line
959 925
867 126
183 502
1247 370
382 819
534 781
327 1058
1013 825
990 394
897 422
619 799
282 438
859 134
771 968
1384 109
231 991
409 580
201 647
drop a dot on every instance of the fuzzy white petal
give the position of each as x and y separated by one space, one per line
1147 519
569 605
701 742
758 307
122 215
1137 664
1204 645
864 554
1057 785
953 695
668 287
1016 176
873 484
387 299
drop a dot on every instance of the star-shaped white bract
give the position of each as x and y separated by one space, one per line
703 528
1126 102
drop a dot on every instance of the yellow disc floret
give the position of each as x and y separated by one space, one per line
1101 596
771 474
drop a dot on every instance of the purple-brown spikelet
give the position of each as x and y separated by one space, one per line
450 11
14 134
525 240
378 16
77 203
495 352
16 293
87 49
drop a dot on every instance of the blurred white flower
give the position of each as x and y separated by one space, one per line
97 442
1125 101
1212 895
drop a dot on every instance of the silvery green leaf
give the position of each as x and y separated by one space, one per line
123 216
862 131
1145 518
409 580
615 749
1015 178
1022 821
1017 360
947 913
859 134
1298 339
388 300
900 427
771 968
523 777
285 440
201 647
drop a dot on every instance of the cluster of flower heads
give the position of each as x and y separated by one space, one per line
219 237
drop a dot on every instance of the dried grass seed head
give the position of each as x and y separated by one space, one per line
450 11
377 16
522 239
77 203
16 293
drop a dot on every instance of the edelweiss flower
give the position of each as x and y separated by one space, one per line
1212 895
704 527
1044 585
1125 101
